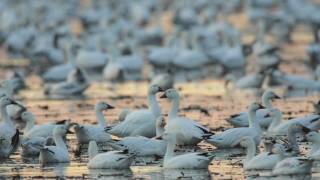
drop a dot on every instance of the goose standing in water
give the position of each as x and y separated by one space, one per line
76 83
188 131
9 135
198 160
141 122
142 146
87 133
108 160
227 138
241 119
263 161
58 153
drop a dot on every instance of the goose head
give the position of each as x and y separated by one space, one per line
5 101
101 106
27 116
154 89
269 94
255 106
170 94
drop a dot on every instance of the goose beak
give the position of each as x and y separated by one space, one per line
276 97
261 106
159 137
163 96
110 106
161 90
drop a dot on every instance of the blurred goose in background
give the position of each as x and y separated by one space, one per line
249 81
197 160
124 67
140 122
17 81
9 135
296 82
58 153
163 80
142 146
76 83
226 138
186 130
108 160
241 119
60 72
262 161
87 133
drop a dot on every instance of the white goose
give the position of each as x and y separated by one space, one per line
9 135
241 119
198 160
76 83
58 153
87 133
31 145
263 161
279 127
108 160
141 122
188 131
142 146
230 136
41 130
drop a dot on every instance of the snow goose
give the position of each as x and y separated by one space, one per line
31 145
230 136
76 83
279 127
295 81
60 72
263 161
108 160
293 166
9 135
41 130
198 160
58 153
91 59
141 122
163 80
188 131
87 133
142 146
241 119
249 81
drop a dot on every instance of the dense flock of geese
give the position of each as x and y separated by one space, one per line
145 132
70 44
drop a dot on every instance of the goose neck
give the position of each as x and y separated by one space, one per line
251 151
153 105
59 141
253 123
5 115
159 130
100 118
266 101
30 124
174 108
170 150
292 138
275 122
